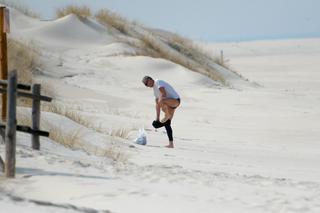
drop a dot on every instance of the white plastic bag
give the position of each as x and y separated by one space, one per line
142 137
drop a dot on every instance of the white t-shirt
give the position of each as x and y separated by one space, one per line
170 92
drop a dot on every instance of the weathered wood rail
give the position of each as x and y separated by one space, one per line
8 129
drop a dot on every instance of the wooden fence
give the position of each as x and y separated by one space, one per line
8 129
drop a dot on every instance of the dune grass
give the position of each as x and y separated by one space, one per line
80 11
123 133
174 48
25 59
109 18
71 114
77 117
116 154
71 139
22 58
153 43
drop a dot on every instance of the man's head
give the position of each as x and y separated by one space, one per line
148 81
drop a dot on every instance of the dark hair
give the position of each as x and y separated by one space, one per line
145 79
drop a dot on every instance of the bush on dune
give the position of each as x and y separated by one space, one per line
114 20
152 43
25 60
22 58
80 11
172 47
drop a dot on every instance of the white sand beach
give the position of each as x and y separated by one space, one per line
237 149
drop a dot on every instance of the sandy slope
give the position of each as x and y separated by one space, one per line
250 150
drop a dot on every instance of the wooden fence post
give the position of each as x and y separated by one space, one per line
36 91
10 137
3 59
1 165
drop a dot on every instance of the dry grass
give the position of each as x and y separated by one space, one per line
114 20
24 59
120 132
200 58
179 54
24 120
188 48
116 154
123 25
64 111
20 7
71 139
76 116
80 11
174 48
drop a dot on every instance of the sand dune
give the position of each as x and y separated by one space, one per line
249 149
69 31
87 33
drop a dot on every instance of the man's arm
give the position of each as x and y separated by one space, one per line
163 94
158 101
158 109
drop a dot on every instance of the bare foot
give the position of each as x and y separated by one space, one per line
170 146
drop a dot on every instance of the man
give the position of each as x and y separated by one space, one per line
167 99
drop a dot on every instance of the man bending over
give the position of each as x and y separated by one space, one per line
167 100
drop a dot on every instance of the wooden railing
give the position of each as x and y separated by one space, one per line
8 129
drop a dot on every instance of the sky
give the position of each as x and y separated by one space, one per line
209 20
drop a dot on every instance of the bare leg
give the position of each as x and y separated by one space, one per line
168 113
